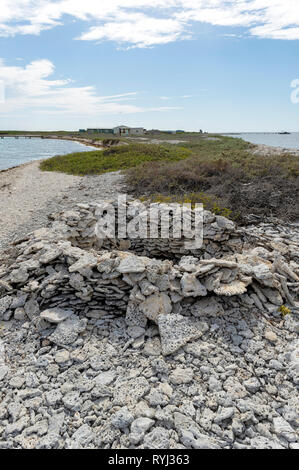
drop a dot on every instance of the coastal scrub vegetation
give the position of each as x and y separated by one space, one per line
232 185
113 159
221 172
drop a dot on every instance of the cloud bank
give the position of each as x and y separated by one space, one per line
147 23
30 87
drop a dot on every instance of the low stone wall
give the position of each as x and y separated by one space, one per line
220 236
52 280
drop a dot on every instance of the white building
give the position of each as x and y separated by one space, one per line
127 131
121 131
137 131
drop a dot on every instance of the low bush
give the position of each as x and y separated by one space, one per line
234 185
221 172
113 159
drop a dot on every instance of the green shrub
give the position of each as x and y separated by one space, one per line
284 310
113 159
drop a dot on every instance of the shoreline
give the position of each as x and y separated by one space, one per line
86 144
258 149
262 149
29 195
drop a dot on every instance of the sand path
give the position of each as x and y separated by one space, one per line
24 190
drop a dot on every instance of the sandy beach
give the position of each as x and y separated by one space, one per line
29 195
268 150
26 189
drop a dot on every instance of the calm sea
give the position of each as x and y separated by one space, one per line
289 141
14 152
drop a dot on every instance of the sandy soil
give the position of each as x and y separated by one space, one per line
28 196
24 189
264 150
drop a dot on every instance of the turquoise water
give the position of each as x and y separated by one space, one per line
14 152
288 141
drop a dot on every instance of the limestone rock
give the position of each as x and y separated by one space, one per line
56 315
271 336
50 255
181 376
156 305
158 438
31 308
284 429
138 429
5 303
82 438
67 331
84 264
207 306
234 288
19 276
62 356
153 347
191 287
122 418
131 264
3 371
176 331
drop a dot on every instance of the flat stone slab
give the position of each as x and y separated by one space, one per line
156 305
131 264
55 315
3 371
68 330
176 331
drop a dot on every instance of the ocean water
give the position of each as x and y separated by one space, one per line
14 152
288 141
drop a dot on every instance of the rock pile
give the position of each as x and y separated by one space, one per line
51 271
80 227
220 235
63 284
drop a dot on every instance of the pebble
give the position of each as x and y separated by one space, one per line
126 357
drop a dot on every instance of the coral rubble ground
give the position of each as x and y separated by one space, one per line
145 343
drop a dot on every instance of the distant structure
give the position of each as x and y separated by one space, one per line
99 131
124 130
121 131
159 132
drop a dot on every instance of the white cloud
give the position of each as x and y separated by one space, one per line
138 30
145 23
166 98
29 88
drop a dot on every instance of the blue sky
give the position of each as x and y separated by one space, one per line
218 65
